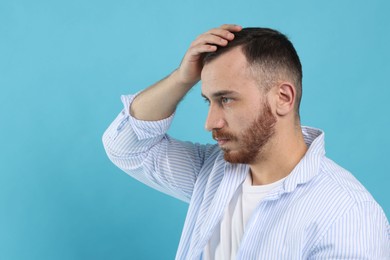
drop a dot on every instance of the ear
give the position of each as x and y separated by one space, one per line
285 98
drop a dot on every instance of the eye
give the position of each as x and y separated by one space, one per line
207 101
225 100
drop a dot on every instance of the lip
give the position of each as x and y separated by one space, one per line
222 141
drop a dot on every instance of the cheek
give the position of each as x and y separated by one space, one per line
239 122
240 117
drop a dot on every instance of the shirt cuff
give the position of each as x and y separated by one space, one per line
143 129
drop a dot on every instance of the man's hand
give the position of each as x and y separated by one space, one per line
191 66
159 101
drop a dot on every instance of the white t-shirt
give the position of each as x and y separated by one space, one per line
226 238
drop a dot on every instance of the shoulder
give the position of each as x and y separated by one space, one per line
343 182
356 220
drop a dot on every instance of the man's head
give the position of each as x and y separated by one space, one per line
253 86
270 56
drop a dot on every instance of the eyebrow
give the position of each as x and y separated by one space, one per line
221 93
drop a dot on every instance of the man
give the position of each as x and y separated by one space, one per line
267 190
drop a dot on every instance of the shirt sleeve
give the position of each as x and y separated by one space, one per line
144 151
361 233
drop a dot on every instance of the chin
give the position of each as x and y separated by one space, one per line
237 157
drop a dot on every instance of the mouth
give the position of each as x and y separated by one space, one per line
222 141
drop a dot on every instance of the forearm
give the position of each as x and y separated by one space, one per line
160 100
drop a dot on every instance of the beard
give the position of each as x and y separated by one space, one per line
252 140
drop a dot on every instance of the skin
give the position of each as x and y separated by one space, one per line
236 101
239 116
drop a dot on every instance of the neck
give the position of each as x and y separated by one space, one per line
279 157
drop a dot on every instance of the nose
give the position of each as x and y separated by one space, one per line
214 119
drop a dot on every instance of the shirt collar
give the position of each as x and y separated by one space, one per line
309 165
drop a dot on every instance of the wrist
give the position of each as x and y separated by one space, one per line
178 80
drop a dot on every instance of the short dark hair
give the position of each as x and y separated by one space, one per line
272 51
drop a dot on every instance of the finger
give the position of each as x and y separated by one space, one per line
231 27
199 49
210 39
221 33
225 31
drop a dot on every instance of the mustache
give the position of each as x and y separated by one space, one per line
219 134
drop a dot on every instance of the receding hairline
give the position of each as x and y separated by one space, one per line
272 46
265 76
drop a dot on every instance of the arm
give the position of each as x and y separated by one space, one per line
160 100
146 153
137 142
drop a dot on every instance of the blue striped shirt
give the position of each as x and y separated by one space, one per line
320 212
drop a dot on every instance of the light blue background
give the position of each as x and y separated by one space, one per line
64 65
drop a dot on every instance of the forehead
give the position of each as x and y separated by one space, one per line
228 72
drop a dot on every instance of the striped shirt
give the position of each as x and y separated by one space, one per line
319 212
